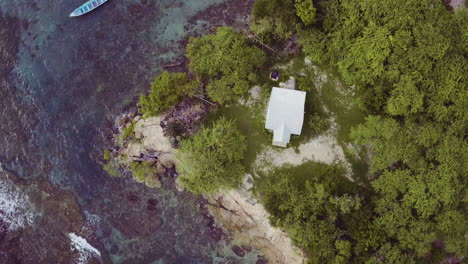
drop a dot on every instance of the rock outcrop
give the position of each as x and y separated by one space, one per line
150 143
150 138
239 212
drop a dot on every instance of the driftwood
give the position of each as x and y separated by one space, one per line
261 42
201 98
173 65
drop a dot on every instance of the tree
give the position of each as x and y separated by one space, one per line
374 46
280 15
211 159
305 10
166 90
226 62
310 204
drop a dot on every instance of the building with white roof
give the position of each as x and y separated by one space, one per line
285 114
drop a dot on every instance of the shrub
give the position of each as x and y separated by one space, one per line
166 90
112 168
142 170
128 132
318 124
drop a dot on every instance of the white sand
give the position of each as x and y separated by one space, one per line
323 148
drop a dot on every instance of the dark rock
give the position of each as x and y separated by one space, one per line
124 120
247 248
132 197
133 112
261 260
152 205
238 250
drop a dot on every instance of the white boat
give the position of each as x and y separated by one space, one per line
87 7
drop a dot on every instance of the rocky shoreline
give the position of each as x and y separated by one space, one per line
247 220
236 212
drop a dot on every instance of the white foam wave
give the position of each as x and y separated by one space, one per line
15 209
85 250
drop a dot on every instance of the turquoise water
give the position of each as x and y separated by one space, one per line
62 83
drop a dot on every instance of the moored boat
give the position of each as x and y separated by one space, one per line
87 7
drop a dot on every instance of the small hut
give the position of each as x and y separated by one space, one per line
285 115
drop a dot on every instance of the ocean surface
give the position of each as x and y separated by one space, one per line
63 81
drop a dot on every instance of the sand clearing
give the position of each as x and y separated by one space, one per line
323 148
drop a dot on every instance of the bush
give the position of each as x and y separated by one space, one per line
166 90
305 10
318 124
112 168
211 159
107 155
128 132
142 170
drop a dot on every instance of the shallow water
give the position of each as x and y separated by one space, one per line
62 82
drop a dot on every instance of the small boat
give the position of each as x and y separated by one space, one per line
87 7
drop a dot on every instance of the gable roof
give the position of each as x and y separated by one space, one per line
285 114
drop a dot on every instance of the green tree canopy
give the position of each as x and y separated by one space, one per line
407 60
226 62
421 184
276 19
305 10
393 57
310 202
211 159
166 90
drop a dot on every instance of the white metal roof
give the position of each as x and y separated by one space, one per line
285 114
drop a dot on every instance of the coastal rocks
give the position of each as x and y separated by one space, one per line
166 160
152 137
33 214
238 250
239 212
150 144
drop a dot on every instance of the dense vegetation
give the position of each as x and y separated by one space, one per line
407 60
274 19
314 208
226 62
211 159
